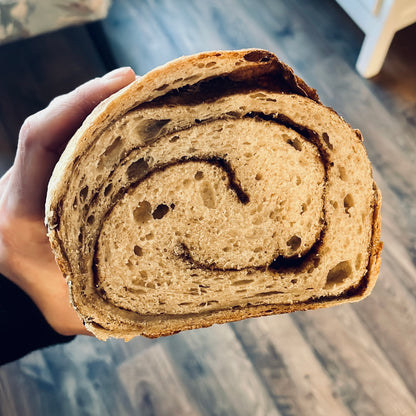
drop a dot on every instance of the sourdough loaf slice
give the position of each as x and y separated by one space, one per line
213 189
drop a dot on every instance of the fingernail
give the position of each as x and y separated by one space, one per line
118 73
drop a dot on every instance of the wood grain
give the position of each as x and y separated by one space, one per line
357 359
149 378
205 355
299 384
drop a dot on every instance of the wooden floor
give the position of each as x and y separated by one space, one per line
355 359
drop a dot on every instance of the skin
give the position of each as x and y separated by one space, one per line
25 254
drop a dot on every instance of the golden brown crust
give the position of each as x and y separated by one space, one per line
158 82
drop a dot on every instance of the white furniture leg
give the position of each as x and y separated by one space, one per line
379 20
374 50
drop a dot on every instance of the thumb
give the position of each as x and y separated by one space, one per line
44 135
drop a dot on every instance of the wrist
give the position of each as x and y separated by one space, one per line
31 266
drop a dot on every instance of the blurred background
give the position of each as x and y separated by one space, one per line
357 359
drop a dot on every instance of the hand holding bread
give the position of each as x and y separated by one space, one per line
215 188
25 253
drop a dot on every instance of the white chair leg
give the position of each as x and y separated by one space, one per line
374 50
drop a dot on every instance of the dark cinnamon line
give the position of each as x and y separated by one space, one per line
221 162
234 185
280 262
209 90
272 76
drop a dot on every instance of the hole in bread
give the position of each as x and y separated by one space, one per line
271 293
138 251
174 139
160 211
294 281
242 282
338 274
294 242
257 56
342 173
137 170
210 64
162 87
140 280
208 195
192 78
295 143
137 281
108 189
142 213
258 177
149 129
348 203
83 193
304 207
298 180
112 152
258 95
326 140
275 213
199 175
208 303
90 219
232 114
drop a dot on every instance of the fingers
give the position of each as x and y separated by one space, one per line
44 135
54 125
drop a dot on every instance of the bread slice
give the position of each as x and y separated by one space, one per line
213 189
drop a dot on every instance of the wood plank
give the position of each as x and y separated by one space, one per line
85 379
389 313
364 378
178 28
339 31
152 385
296 379
399 240
217 373
26 387
119 351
